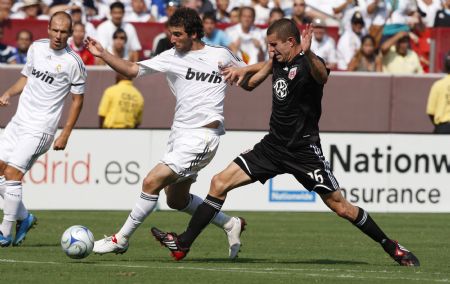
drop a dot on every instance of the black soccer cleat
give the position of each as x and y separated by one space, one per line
400 254
170 241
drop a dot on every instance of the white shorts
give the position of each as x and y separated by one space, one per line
190 150
21 146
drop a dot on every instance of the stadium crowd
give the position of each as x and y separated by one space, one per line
374 35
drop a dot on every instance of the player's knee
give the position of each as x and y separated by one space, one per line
342 211
218 186
149 186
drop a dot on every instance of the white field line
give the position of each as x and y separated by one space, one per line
277 271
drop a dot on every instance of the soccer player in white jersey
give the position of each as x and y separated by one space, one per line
193 74
53 70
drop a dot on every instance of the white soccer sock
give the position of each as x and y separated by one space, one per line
144 206
221 220
13 198
23 212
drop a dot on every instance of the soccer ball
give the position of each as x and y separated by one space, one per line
77 242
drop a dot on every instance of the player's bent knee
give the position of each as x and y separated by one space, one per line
218 186
342 211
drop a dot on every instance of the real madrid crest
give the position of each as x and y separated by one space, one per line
292 73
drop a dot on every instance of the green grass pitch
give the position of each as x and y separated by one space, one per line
277 248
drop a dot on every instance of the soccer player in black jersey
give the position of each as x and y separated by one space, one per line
292 145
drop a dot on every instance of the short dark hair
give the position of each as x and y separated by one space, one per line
247 8
117 5
276 10
284 28
30 34
120 31
447 62
63 14
210 15
189 19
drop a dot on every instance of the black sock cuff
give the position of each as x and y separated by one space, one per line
213 202
362 218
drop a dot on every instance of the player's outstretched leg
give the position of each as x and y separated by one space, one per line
363 221
232 226
22 228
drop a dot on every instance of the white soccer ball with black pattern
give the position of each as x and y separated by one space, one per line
77 242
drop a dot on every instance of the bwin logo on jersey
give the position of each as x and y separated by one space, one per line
205 77
281 89
44 76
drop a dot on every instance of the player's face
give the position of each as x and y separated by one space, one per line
58 32
180 39
279 49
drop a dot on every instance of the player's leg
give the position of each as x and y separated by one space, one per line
158 178
179 198
363 221
233 176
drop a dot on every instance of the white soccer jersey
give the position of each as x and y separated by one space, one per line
51 74
194 79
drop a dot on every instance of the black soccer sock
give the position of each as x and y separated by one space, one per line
202 217
366 224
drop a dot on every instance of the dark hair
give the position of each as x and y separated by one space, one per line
276 10
210 15
120 31
247 8
447 62
189 19
63 14
284 28
30 34
117 5
368 37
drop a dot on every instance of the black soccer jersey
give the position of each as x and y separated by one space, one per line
296 104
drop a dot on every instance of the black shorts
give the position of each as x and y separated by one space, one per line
307 164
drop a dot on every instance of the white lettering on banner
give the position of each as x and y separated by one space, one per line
104 169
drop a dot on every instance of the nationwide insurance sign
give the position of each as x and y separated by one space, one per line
104 169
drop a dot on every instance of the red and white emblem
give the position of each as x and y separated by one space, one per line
292 73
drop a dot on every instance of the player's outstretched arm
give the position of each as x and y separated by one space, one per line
14 90
256 79
124 67
74 112
318 69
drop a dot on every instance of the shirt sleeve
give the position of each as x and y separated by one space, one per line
79 75
159 63
28 67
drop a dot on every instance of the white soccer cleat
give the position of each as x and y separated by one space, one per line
234 236
109 245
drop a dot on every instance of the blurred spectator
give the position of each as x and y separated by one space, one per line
275 15
6 51
162 42
239 4
171 6
106 30
262 12
247 40
213 36
157 9
429 8
76 42
299 13
350 42
5 9
366 59
205 7
438 107
121 105
140 12
78 17
398 13
398 58
30 9
118 47
193 4
323 45
347 8
443 16
24 38
376 18
234 15
222 14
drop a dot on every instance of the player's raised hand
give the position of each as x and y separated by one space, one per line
306 38
234 75
4 100
60 143
94 46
